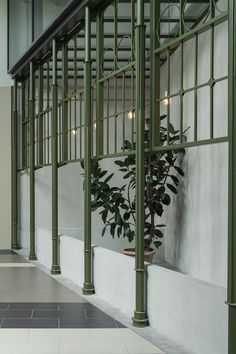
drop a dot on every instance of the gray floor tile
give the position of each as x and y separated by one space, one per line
7 252
76 306
32 285
15 314
30 323
88 323
12 258
59 314
4 305
33 306
95 313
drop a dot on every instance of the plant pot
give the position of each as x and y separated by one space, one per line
148 255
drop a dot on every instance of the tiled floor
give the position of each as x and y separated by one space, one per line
38 315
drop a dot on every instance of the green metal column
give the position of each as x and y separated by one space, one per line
88 287
232 181
15 244
155 77
54 151
140 318
64 101
99 85
32 255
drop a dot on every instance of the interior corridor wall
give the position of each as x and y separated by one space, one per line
196 232
5 135
197 220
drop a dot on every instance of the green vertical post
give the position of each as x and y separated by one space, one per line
14 207
155 77
40 115
54 151
64 101
88 288
32 255
99 85
231 298
140 318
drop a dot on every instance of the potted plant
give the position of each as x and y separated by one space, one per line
117 204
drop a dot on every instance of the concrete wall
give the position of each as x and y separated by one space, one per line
5 135
189 311
196 233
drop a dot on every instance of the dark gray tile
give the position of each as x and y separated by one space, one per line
15 314
30 323
1 321
58 314
4 305
119 325
34 306
76 306
7 252
96 313
87 323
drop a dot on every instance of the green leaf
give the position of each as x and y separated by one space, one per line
126 216
179 170
103 231
109 178
102 174
174 179
112 229
157 244
166 200
158 233
104 215
120 163
172 188
163 116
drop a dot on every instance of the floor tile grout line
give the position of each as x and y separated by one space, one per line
85 314
32 313
8 306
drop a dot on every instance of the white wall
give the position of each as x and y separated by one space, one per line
5 134
196 232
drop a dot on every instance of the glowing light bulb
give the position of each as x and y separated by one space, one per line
95 125
131 115
166 101
73 131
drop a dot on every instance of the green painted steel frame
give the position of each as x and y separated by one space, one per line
55 269
231 300
32 254
88 287
137 67
14 190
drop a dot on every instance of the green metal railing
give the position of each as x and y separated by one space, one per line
96 86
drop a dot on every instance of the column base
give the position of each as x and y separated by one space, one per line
232 329
88 289
55 270
16 247
32 257
140 319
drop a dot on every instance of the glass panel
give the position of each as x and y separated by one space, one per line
20 28
45 12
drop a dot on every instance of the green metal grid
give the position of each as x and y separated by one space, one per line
92 103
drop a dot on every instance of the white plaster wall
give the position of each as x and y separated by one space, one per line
114 278
44 247
196 232
5 134
72 259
